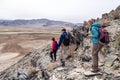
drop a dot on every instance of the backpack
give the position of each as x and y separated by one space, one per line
66 40
103 35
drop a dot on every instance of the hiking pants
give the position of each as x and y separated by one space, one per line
53 55
95 51
63 52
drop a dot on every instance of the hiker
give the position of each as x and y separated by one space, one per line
53 50
98 43
63 44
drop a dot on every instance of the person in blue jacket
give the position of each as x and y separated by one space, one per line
63 48
96 45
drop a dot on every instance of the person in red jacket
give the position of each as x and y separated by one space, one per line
53 50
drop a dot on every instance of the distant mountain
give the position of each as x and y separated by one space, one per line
42 22
79 24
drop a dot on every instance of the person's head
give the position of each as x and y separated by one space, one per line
53 39
105 24
63 30
90 22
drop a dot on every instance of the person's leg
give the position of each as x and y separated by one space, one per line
55 55
95 57
96 49
64 55
61 54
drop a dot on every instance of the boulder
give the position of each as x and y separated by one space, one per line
89 73
110 60
52 66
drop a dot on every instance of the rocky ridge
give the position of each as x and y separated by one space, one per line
37 66
113 15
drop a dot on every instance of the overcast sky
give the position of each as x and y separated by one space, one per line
65 10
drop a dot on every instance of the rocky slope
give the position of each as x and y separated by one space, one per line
37 66
114 14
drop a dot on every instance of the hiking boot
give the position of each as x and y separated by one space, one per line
63 63
61 60
51 60
95 70
54 60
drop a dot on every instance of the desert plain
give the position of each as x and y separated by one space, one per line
16 42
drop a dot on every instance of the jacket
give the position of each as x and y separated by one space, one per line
62 37
95 32
54 45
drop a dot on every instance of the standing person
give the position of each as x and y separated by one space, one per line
63 44
96 45
53 50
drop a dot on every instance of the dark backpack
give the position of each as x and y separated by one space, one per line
66 40
103 36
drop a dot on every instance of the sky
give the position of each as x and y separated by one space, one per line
75 11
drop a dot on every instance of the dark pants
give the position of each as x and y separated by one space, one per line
53 55
95 51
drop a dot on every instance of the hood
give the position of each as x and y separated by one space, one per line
97 24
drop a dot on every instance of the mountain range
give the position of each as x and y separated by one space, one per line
42 22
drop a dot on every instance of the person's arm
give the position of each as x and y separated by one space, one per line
60 40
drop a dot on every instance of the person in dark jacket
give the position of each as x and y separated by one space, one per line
53 50
63 48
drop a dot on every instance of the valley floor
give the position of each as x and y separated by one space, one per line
15 45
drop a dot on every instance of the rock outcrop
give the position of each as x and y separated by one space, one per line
114 14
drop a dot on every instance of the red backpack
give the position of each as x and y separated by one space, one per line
103 36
